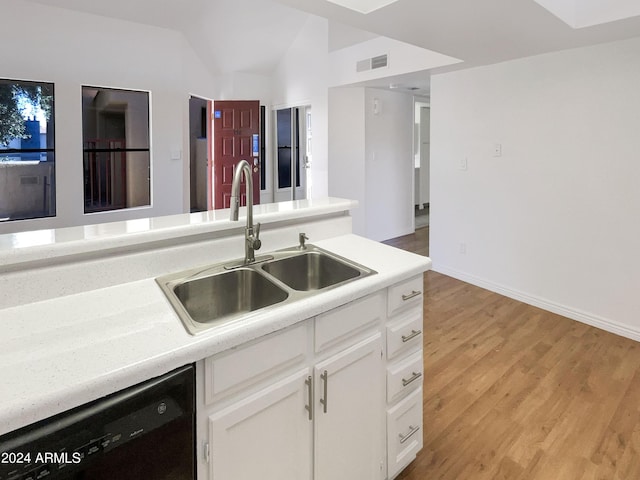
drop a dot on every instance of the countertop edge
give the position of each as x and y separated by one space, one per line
25 247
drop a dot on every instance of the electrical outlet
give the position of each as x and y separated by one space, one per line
463 248
463 163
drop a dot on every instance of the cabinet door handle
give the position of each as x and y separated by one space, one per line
309 407
412 430
414 293
414 377
414 333
325 380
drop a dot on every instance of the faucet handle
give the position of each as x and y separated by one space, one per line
301 238
257 243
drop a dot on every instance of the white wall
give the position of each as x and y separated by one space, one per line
199 82
389 164
347 150
371 159
72 49
81 49
243 86
301 79
554 220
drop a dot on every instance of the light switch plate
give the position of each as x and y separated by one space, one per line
497 149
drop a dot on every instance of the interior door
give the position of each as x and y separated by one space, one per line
236 125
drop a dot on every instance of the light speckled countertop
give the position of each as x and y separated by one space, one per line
60 353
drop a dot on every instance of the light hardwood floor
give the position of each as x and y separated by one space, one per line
515 392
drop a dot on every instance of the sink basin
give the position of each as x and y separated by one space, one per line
221 296
311 271
218 294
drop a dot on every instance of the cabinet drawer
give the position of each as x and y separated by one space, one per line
235 370
343 322
404 376
404 432
404 333
405 294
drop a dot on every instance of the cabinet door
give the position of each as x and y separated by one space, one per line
266 435
349 431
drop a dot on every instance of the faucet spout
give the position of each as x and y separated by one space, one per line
252 241
242 167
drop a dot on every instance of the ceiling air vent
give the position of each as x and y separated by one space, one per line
380 61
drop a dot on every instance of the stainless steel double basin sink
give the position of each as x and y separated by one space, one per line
219 294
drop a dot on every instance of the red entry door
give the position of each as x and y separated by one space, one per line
235 122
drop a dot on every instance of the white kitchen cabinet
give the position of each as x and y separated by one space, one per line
266 435
404 295
404 372
404 432
404 332
403 376
255 364
348 413
335 397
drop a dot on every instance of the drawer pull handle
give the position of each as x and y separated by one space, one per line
414 334
414 377
412 430
414 293
325 380
309 407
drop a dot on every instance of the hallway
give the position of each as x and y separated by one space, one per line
417 242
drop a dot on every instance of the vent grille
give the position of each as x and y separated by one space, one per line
380 61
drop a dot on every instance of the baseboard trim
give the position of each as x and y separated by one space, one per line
571 313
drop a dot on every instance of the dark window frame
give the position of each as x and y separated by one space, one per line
88 151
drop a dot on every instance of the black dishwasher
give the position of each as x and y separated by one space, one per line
146 432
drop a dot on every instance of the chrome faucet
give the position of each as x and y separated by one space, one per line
252 241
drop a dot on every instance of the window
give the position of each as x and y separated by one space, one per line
27 157
117 160
288 145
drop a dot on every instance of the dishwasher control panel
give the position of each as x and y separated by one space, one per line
117 434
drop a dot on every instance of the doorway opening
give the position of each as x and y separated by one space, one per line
293 153
422 144
199 148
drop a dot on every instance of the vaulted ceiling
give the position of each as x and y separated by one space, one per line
247 36
479 32
252 35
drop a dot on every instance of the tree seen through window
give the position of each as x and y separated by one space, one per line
27 155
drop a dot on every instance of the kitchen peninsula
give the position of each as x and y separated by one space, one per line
81 315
